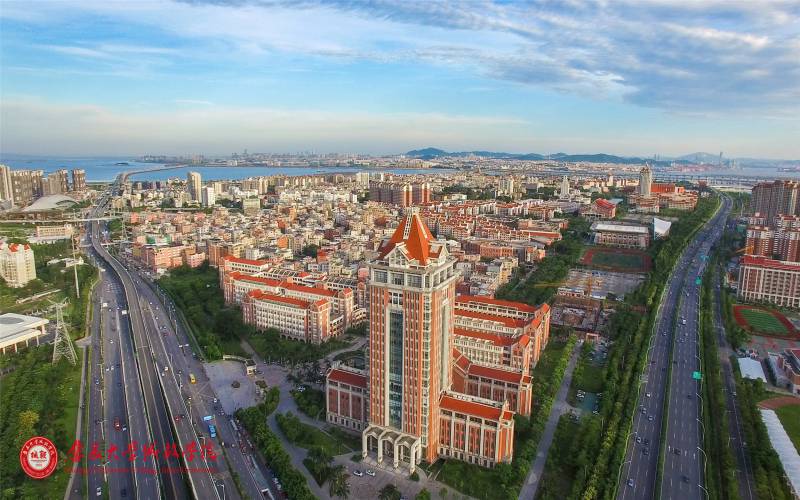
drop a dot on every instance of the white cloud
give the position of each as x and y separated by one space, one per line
36 126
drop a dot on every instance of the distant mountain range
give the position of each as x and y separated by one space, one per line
699 157
432 153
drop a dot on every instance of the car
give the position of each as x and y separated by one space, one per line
358 473
99 491
371 472
123 493
117 425
646 451
648 394
676 451
646 441
638 439
650 418
630 482
685 478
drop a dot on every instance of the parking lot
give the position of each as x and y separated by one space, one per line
221 375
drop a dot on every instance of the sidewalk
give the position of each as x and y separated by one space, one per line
559 408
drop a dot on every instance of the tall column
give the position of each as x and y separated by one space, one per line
364 444
380 449
483 426
396 457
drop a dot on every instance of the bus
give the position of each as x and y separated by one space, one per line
192 380
212 430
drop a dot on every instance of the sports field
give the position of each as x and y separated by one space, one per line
763 321
617 259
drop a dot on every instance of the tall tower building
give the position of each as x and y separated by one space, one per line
771 199
411 295
6 191
564 188
57 182
645 181
78 179
193 183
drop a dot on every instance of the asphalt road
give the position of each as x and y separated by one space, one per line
744 471
143 372
203 403
638 472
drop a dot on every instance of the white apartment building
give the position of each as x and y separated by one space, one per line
17 265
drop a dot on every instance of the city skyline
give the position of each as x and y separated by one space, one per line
631 79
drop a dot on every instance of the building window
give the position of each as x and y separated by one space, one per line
396 369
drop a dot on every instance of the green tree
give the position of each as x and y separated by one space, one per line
389 492
339 484
424 494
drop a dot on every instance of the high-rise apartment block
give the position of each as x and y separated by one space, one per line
401 194
769 199
645 181
78 179
6 189
26 185
193 184
208 197
57 182
17 265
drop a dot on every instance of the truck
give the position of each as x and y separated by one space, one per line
212 430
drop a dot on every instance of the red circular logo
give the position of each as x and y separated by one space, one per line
38 457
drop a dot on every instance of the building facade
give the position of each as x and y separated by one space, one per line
193 185
769 199
78 179
17 264
766 280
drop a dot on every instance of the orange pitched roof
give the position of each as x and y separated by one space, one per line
271 297
236 275
519 306
509 322
498 340
418 242
347 377
240 260
470 408
495 373
308 289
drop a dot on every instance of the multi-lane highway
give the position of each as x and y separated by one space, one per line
175 408
672 360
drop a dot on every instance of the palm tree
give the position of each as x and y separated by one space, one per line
321 459
389 492
339 485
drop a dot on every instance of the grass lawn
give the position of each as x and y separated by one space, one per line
763 321
232 347
790 418
71 391
307 436
615 258
481 482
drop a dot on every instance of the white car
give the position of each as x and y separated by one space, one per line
371 472
358 473
99 491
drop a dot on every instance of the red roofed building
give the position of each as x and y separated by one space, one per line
229 263
347 397
496 384
17 264
775 281
412 413
475 431
294 318
600 209
236 284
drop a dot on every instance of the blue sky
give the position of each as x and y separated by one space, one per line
631 77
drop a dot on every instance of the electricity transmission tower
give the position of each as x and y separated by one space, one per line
62 346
